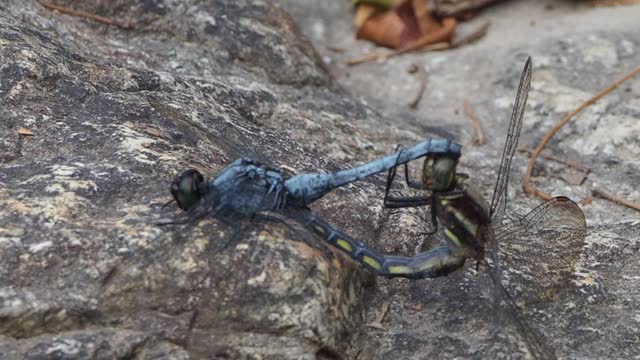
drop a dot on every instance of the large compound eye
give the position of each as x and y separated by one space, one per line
186 189
444 171
438 173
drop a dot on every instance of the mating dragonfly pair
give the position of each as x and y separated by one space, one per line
551 235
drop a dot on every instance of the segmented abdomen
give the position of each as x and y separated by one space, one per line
305 188
437 262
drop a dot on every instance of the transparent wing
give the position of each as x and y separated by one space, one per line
509 318
499 201
235 150
170 272
538 252
528 258
228 138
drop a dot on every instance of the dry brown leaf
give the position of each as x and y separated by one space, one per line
363 13
444 34
426 22
399 27
384 29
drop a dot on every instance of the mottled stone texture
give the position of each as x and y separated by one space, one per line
577 50
117 113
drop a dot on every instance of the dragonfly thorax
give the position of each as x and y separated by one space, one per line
464 215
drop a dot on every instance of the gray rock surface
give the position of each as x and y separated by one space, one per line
116 114
577 50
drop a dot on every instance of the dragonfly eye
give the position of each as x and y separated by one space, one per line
439 173
186 189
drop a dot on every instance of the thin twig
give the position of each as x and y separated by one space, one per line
422 77
440 36
609 196
572 164
80 13
474 122
382 57
435 47
336 49
467 39
526 183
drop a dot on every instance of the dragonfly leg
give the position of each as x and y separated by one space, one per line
183 220
279 202
402 202
390 176
274 189
162 222
434 219
410 183
392 202
434 228
167 204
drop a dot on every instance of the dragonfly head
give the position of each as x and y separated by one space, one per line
439 172
187 189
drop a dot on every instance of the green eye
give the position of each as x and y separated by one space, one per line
444 170
186 189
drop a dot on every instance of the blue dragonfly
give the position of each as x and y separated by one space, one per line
247 187
253 187
170 275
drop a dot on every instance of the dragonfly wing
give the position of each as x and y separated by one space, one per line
508 318
233 147
178 266
539 250
499 201
228 139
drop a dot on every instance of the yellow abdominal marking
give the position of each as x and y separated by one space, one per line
344 244
426 265
453 196
452 237
371 262
400 269
470 226
319 229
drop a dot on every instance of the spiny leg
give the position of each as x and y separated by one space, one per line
392 202
410 183
434 225
390 176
